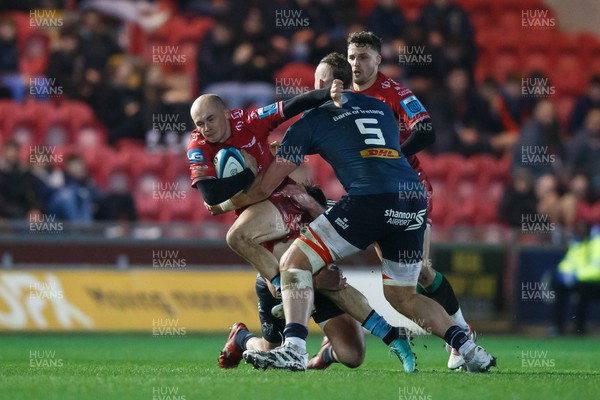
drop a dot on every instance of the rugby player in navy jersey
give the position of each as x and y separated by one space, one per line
358 137
416 133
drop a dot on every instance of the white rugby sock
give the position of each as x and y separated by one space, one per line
296 341
466 348
459 320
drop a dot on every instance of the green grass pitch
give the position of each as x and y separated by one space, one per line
94 366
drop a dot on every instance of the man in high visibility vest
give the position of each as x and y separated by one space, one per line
578 272
588 279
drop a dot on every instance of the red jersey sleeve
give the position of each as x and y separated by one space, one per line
261 121
200 155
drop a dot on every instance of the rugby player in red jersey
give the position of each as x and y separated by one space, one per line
217 127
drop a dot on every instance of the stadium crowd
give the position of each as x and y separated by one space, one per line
135 62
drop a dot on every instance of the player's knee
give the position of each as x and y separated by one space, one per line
294 258
355 359
354 362
236 238
285 262
399 296
351 356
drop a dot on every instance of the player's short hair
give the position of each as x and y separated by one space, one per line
364 38
316 193
340 67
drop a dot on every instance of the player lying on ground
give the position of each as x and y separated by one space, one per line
416 133
347 343
359 139
344 340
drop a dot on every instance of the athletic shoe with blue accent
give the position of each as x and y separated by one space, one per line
401 348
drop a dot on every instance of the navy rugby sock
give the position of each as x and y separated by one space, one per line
441 291
242 337
328 356
295 330
380 328
457 338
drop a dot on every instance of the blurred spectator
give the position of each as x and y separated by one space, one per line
72 195
547 194
165 109
10 78
504 130
240 74
461 116
583 152
414 46
455 53
118 102
387 20
518 199
535 88
96 46
215 57
567 212
443 19
512 94
48 179
76 200
251 63
327 22
17 188
9 55
585 104
252 59
66 63
540 148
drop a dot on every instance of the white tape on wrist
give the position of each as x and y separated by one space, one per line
227 205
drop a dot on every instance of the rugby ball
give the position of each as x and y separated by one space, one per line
229 162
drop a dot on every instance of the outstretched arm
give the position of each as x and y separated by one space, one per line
312 99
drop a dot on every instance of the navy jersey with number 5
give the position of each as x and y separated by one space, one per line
360 142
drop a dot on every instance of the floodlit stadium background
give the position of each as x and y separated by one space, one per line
107 85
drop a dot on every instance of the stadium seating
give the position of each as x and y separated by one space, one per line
466 190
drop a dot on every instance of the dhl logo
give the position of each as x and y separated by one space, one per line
379 153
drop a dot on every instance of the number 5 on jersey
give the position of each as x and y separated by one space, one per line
361 124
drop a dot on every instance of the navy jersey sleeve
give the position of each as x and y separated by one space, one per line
297 142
